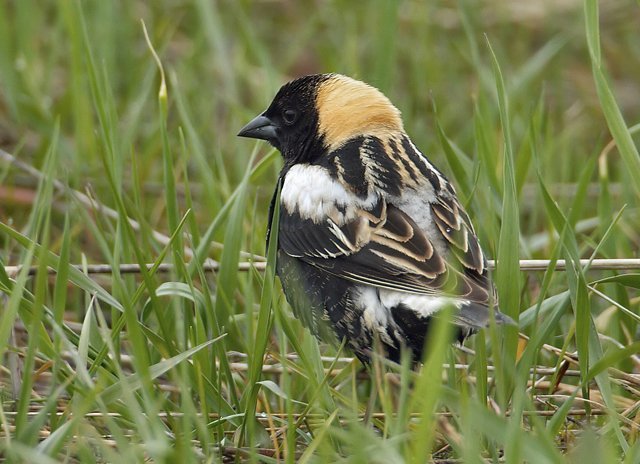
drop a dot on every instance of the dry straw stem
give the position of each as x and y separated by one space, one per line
319 417
526 265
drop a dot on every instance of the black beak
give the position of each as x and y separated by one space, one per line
260 127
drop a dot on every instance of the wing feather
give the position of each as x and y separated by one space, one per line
384 247
454 225
377 242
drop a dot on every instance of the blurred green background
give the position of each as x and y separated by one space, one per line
79 102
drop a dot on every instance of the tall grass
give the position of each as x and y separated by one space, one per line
527 111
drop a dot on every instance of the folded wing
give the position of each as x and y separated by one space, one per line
384 247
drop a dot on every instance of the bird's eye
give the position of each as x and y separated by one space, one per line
289 116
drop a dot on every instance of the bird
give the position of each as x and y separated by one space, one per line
372 240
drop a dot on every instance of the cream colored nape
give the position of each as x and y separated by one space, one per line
348 108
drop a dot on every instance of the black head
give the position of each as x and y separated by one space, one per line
316 114
291 122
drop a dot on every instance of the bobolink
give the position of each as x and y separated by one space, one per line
372 240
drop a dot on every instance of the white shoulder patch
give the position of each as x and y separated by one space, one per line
310 191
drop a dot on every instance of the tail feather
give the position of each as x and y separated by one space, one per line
476 316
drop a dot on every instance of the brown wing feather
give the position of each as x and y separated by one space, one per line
384 247
455 226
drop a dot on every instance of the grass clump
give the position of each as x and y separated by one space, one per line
530 112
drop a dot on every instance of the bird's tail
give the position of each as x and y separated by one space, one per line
477 316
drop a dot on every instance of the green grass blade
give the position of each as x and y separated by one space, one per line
508 270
